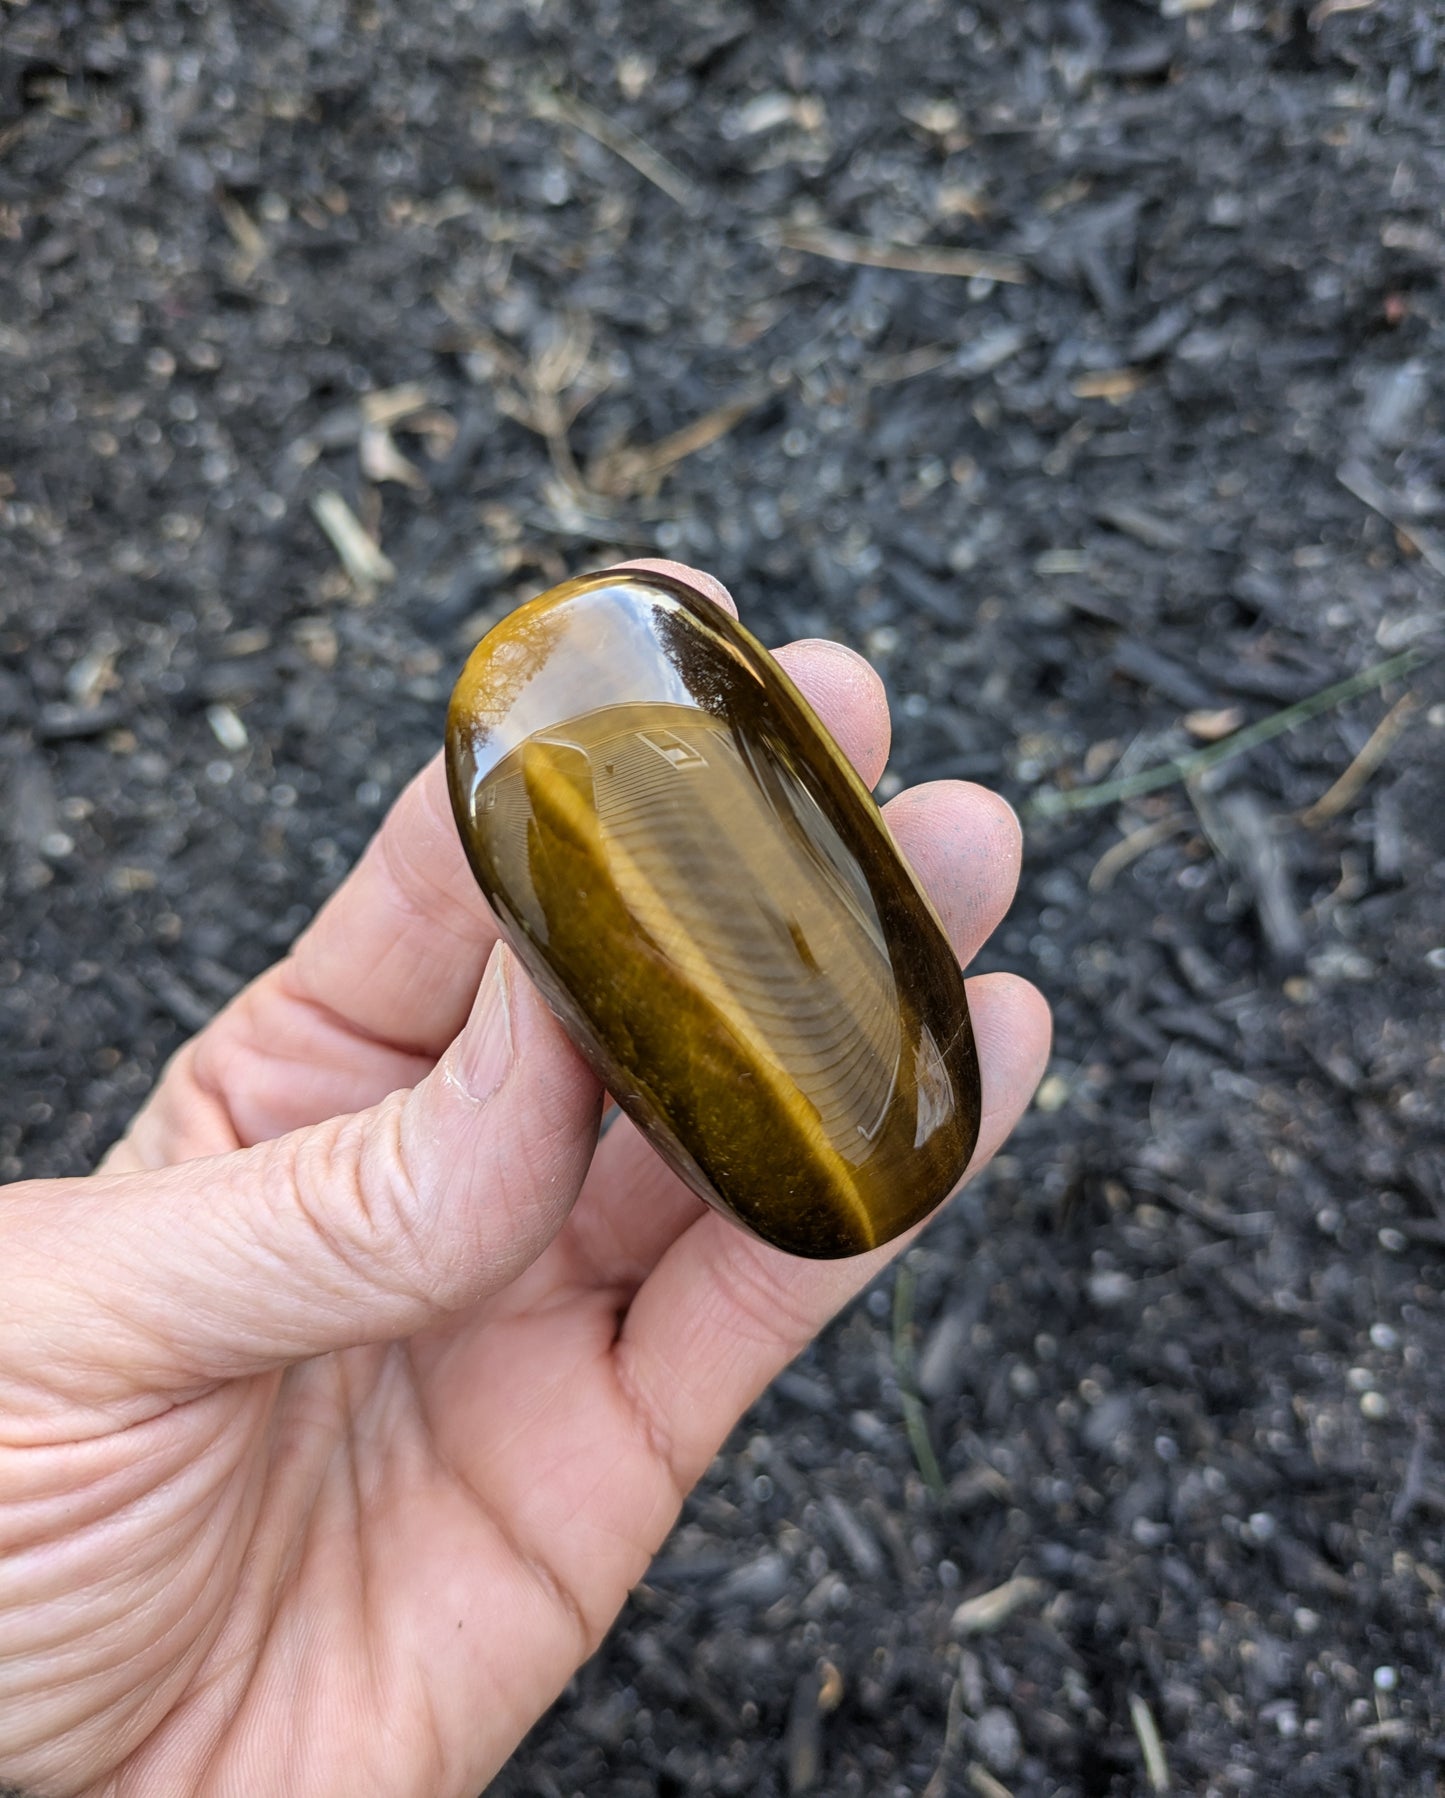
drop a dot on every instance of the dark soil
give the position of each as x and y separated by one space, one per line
1179 1354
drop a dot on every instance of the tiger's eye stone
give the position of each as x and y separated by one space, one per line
705 892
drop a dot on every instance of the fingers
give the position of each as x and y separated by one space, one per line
848 697
361 1230
707 584
963 843
722 1314
397 952
841 687
395 955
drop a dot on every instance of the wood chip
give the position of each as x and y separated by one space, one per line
1245 835
381 460
389 405
251 247
1108 384
982 1615
227 728
1209 724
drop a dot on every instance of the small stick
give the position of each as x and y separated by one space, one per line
1168 774
567 109
1113 862
908 259
1351 783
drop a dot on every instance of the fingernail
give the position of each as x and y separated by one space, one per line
485 1051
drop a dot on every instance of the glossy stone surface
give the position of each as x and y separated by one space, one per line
709 899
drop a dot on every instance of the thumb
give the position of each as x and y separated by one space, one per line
362 1229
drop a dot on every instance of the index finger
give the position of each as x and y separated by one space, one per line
397 952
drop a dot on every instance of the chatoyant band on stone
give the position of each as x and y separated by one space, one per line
706 894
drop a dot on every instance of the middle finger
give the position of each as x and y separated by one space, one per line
963 842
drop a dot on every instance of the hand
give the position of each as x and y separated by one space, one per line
340 1411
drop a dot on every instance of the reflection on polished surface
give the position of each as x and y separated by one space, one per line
709 899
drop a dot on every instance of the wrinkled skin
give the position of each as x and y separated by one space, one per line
340 1411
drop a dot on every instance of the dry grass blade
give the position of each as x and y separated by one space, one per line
545 393
908 259
1167 774
621 473
389 405
1147 1730
636 152
915 1417
362 559
938 1785
1326 9
1347 789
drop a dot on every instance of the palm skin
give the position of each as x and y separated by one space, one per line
340 1412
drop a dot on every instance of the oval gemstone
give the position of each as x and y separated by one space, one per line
706 894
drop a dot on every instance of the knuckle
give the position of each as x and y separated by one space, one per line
356 1194
761 1295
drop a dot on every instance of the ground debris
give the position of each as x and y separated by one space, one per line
1081 364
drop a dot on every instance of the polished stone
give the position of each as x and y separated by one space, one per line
708 897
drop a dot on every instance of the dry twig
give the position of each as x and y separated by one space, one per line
909 259
1347 789
622 472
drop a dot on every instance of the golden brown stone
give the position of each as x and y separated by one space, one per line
708 897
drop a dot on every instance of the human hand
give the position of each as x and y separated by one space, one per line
340 1411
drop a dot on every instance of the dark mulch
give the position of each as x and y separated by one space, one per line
1179 1352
